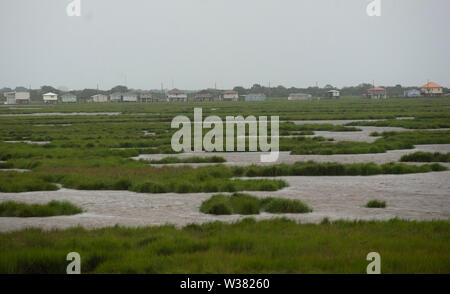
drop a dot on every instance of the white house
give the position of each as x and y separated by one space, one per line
99 98
176 95
68 98
17 97
230 95
299 96
129 97
333 94
116 97
50 98
255 97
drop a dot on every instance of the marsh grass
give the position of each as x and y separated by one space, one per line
53 208
312 168
376 204
245 204
14 182
426 157
247 246
193 159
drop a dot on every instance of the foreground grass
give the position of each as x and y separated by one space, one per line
53 208
245 204
271 246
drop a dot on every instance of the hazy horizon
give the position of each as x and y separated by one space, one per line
196 44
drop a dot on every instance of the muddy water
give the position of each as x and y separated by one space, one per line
413 196
249 158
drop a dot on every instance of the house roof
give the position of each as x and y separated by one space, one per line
50 94
176 91
431 85
376 89
229 92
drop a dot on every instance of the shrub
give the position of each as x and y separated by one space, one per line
245 204
376 204
279 205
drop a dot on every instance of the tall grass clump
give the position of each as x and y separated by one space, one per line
280 205
53 208
376 204
245 204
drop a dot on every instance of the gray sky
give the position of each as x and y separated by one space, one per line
196 43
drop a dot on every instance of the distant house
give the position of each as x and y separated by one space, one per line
230 95
68 98
17 97
431 89
333 94
412 93
176 95
50 98
116 97
203 95
376 93
129 97
255 97
299 96
99 98
146 97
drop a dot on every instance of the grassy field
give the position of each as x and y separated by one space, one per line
94 153
275 246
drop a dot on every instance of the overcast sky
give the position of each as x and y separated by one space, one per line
193 44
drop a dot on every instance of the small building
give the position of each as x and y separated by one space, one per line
255 97
299 96
116 97
431 89
98 98
17 97
129 97
230 95
412 93
376 93
50 98
146 97
68 98
203 96
333 94
176 95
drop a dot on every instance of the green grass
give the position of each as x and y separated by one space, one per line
53 208
193 159
247 246
245 204
376 204
14 182
426 157
312 168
